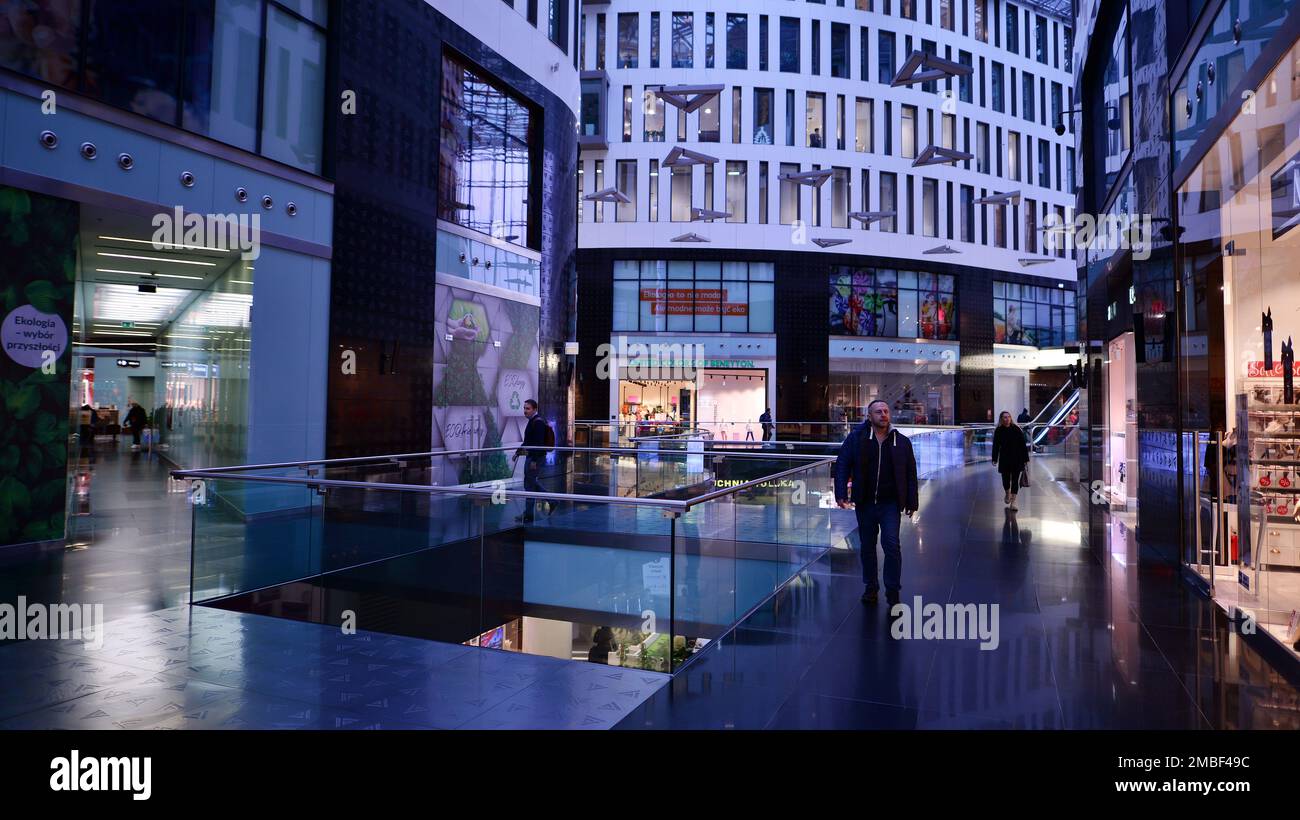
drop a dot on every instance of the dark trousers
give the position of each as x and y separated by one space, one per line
136 432
532 474
880 520
1011 481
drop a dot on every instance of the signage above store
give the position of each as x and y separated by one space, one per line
716 364
128 363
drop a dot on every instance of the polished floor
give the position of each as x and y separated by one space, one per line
1089 638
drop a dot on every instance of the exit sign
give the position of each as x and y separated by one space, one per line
128 325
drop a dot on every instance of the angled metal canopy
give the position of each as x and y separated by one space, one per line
608 195
938 155
942 249
830 243
815 178
867 217
921 67
1007 198
681 157
688 97
707 215
1035 260
689 237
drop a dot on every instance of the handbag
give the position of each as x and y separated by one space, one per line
1024 475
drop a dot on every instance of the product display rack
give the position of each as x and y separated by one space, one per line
1273 445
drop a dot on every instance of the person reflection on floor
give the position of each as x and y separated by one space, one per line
603 643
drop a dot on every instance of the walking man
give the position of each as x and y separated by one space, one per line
875 473
539 439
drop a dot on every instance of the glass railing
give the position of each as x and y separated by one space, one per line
647 556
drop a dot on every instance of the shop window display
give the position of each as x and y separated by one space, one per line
1241 412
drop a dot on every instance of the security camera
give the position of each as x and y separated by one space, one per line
1060 129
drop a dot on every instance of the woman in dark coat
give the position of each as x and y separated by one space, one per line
1010 454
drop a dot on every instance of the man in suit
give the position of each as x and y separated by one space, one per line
534 453
879 463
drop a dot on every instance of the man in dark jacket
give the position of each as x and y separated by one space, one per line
135 421
534 453
879 462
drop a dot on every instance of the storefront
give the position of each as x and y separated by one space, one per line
1239 209
916 378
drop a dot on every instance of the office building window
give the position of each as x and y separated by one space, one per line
965 84
907 9
950 131
885 57
703 296
982 148
840 197
907 131
1040 41
1071 181
840 50
763 116
484 174
967 213
1013 155
681 193
627 113
599 185
1031 226
999 103
738 41
1013 30
866 194
582 51
816 37
654 39
1056 105
736 94
762 42
888 126
816 120
683 40
999 225
762 193
945 14
654 190
1044 164
600 42
790 44
625 170
839 122
981 20
889 200
710 37
864 54
890 303
710 120
1027 87
789 117
654 117
864 128
592 113
708 187
929 207
790 210
627 40
816 196
737 189
908 204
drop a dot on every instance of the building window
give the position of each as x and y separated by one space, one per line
737 190
654 190
694 296
964 84
907 132
1044 164
1040 41
1013 155
708 187
1031 226
790 210
981 20
967 213
683 39
864 54
763 116
737 41
1032 315
627 113
816 120
907 9
839 122
889 200
890 303
1027 86
999 103
600 42
484 176
710 38
653 112
885 57
790 45
762 193
599 185
908 204
1056 105
816 37
681 193
710 121
982 148
999 225
762 42
950 131
840 50
1013 30
864 131
840 197
593 107
945 14
627 42
736 96
789 117
625 170
654 39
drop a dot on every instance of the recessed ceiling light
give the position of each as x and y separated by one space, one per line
164 245
141 273
157 259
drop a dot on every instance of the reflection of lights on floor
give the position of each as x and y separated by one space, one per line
1061 530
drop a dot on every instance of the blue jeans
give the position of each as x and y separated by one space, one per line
880 519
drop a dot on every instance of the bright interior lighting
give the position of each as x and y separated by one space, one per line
157 259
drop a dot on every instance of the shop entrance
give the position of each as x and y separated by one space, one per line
655 407
731 402
1120 445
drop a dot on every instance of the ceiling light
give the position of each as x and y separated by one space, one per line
157 259
164 245
140 273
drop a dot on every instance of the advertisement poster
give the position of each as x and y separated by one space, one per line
39 234
485 367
